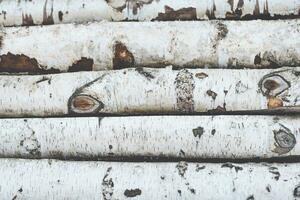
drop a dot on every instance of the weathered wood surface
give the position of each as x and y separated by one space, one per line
111 45
51 179
192 137
145 90
35 12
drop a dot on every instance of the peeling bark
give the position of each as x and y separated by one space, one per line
203 44
51 179
146 90
188 137
36 12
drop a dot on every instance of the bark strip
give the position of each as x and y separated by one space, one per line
46 12
146 90
51 179
108 45
177 137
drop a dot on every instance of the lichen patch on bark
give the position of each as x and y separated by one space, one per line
184 88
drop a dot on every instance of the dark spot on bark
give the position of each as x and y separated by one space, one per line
44 79
230 165
225 92
198 132
268 188
56 154
58 181
20 190
181 14
27 20
14 197
184 88
297 191
83 5
144 73
60 15
1 39
257 59
213 131
296 73
251 197
211 13
84 64
201 75
219 109
192 190
107 185
12 63
110 147
123 58
136 5
181 153
179 192
222 30
266 10
256 8
271 85
274 170
31 145
47 19
198 167
182 167
4 14
212 94
162 177
132 192
230 2
284 140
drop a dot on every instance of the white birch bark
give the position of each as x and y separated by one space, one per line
51 179
108 45
37 12
145 90
192 137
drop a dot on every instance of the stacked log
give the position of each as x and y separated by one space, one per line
36 12
108 45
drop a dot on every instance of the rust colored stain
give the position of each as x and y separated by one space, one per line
274 102
60 15
27 20
21 63
47 19
83 103
123 58
180 14
84 64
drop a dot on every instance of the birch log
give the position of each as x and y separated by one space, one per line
100 46
192 137
50 179
145 90
47 12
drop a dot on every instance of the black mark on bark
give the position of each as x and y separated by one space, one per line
107 186
198 132
181 14
230 165
274 170
212 94
48 19
84 64
123 58
144 73
132 192
182 167
60 15
27 20
284 140
198 167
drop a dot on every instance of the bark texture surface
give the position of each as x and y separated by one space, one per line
192 137
51 179
111 45
46 12
145 90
